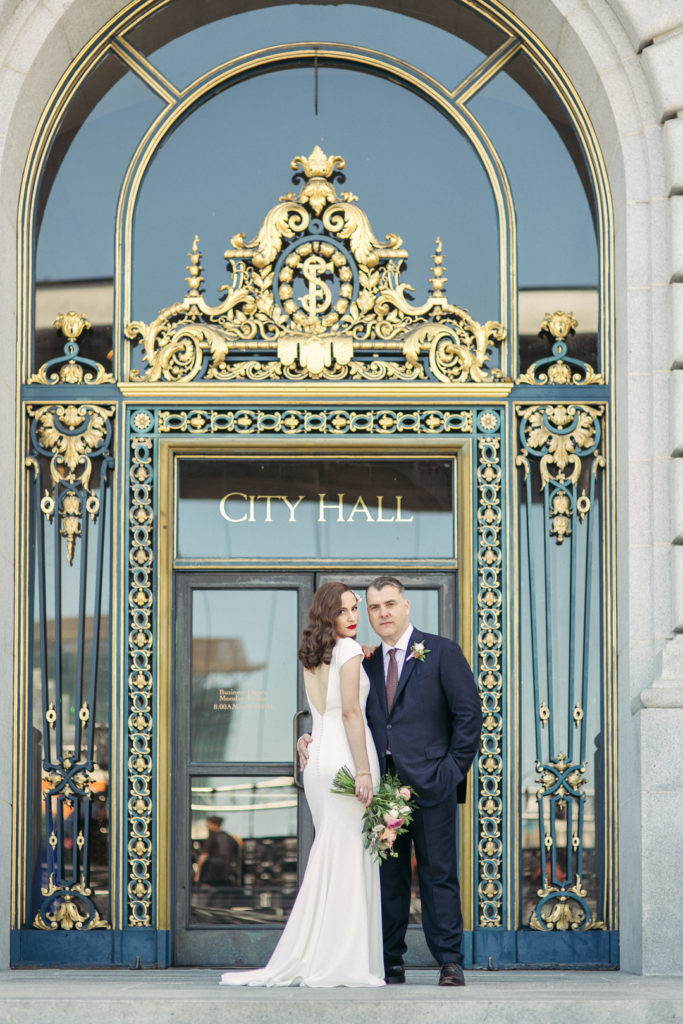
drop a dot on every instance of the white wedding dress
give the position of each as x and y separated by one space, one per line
334 932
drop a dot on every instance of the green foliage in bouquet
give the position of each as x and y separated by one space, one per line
387 817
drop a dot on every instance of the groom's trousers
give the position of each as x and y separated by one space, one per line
433 833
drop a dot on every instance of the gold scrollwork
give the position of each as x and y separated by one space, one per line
352 310
140 687
561 437
68 912
71 436
490 672
563 910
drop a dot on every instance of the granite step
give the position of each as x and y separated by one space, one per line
189 996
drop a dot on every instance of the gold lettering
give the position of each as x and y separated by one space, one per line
252 498
339 506
223 510
399 519
290 506
380 517
268 498
360 506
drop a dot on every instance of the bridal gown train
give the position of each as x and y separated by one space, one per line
334 932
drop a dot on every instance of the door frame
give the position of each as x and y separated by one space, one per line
410 446
258 942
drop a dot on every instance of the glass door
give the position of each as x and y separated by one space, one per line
241 827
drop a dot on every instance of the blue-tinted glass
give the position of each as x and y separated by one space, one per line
413 173
555 235
76 239
440 54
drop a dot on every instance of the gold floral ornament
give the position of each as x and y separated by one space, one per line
560 368
563 438
316 295
70 436
71 909
71 368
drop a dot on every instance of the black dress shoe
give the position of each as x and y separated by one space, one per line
395 975
451 974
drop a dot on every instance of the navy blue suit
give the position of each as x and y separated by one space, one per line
433 730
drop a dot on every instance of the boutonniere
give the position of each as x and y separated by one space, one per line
419 651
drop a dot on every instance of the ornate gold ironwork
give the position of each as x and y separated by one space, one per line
308 421
490 669
68 913
71 435
561 437
71 368
562 369
563 910
352 313
140 685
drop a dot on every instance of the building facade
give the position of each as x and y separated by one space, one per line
302 292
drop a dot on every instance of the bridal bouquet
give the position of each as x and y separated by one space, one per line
387 817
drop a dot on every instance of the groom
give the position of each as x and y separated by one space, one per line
425 716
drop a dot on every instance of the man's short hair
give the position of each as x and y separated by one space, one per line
214 819
387 581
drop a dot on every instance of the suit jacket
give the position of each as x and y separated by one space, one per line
434 725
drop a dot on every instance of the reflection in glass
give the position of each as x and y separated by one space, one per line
243 847
71 663
244 674
561 712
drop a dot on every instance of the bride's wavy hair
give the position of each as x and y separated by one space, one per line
320 636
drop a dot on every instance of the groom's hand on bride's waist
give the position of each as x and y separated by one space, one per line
302 749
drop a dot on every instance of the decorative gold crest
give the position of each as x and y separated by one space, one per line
316 289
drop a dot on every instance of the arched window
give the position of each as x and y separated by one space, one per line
170 140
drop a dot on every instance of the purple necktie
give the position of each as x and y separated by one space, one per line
392 678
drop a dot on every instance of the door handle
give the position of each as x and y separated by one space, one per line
296 725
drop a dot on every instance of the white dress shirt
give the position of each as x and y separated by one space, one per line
401 648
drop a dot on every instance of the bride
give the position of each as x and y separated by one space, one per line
334 932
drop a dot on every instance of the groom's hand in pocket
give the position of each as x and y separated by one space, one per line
302 749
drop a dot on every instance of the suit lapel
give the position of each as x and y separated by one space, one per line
408 664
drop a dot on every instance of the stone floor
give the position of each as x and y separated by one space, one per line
193 997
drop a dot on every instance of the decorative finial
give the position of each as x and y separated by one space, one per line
72 326
194 268
438 281
318 164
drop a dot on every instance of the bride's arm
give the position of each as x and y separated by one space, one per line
354 725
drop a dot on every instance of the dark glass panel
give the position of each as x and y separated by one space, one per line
244 674
564 680
78 198
557 245
302 509
243 850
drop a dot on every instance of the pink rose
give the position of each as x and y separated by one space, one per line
388 836
404 793
393 822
